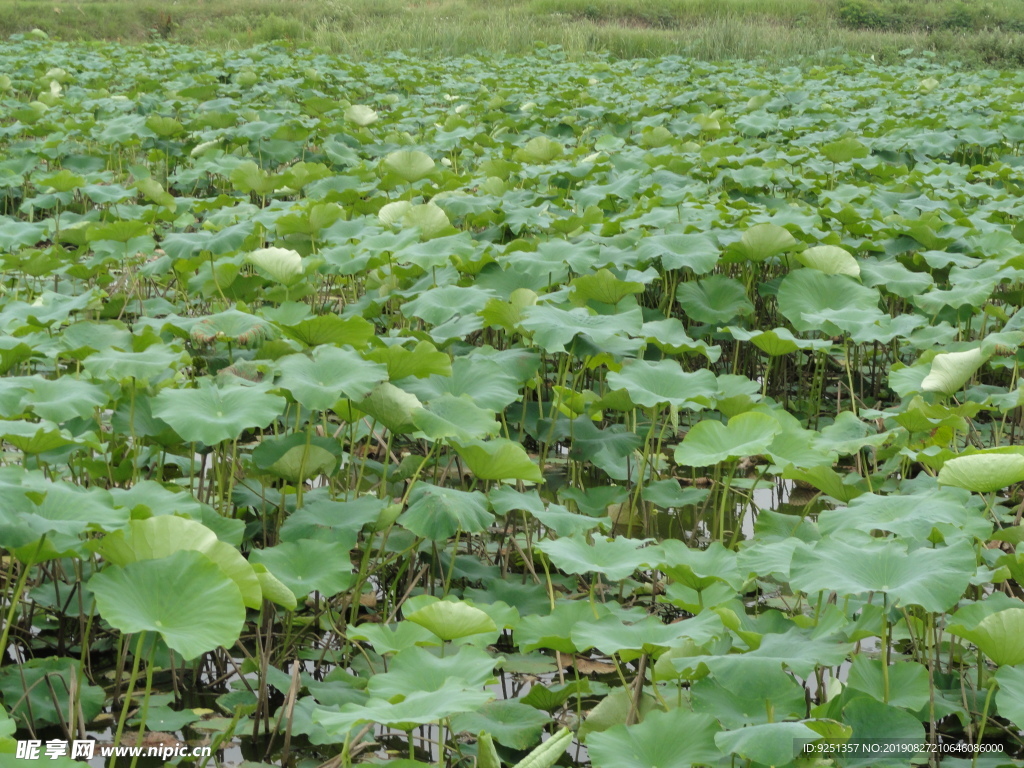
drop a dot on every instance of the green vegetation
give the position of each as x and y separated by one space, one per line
983 33
511 411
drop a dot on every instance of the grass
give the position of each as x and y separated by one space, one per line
980 34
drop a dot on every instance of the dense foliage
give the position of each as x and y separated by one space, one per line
346 391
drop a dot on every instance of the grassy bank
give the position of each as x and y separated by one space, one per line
989 34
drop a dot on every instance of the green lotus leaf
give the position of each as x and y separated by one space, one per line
36 691
281 265
438 305
692 742
553 328
154 190
185 598
908 681
35 437
714 299
273 589
158 537
391 406
779 341
417 668
421 361
429 219
603 287
248 177
1010 696
318 381
664 383
700 568
62 181
711 442
419 707
844 150
695 252
118 231
334 521
838 297
873 720
611 635
409 164
983 472
64 398
238 327
298 457
437 513
490 383
758 674
614 709
830 259
934 579
614 558
510 723
452 620
330 329
768 743
148 366
736 710
212 414
553 630
308 566
460 418
911 515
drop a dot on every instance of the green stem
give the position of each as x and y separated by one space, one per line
885 649
131 689
145 703
16 600
984 720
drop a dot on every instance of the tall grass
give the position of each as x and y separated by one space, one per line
987 34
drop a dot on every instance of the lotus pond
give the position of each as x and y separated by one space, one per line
502 411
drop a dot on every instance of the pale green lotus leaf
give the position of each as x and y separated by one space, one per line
409 164
392 213
951 370
830 259
499 459
998 636
539 149
361 115
763 241
429 219
983 472
452 620
281 265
